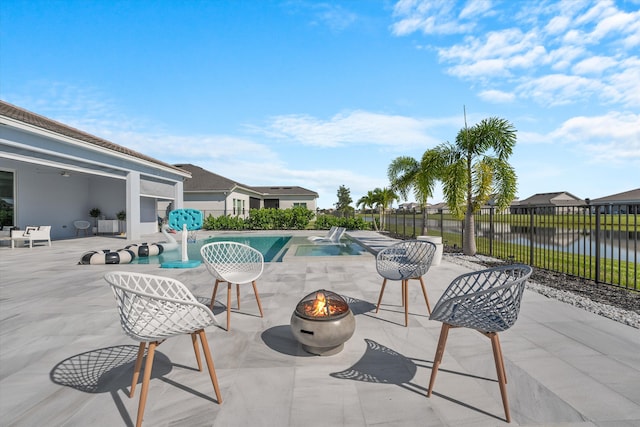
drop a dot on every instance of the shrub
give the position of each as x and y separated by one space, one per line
279 219
224 223
324 222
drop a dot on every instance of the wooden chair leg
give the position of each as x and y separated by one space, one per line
255 291
502 381
136 368
213 296
504 372
194 341
238 294
145 382
405 300
209 359
442 342
384 283
424 292
228 306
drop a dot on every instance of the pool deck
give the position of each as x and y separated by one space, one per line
64 360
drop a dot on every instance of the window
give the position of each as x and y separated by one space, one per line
238 206
298 204
7 198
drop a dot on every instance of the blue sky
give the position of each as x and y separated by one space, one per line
323 94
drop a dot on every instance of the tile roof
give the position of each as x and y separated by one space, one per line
204 180
20 114
552 199
625 196
286 191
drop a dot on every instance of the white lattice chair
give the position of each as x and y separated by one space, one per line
403 261
82 225
154 308
487 301
233 262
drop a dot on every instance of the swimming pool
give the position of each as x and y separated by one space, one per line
273 248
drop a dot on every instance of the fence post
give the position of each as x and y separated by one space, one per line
597 243
404 222
415 233
531 252
491 209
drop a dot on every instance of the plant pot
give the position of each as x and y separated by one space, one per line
437 240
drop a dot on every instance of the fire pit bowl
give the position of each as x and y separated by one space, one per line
322 322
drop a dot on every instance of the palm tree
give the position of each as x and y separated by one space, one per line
368 201
406 173
383 198
475 168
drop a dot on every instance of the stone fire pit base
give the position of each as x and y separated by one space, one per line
323 337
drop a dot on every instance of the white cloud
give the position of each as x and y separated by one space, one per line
613 137
594 65
557 25
428 17
534 47
335 17
356 127
561 59
559 89
473 8
615 126
625 85
497 96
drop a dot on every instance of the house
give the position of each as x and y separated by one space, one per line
627 202
437 208
409 206
216 195
53 174
560 202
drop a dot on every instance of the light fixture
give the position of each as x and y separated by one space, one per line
65 174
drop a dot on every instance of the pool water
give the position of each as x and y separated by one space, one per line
346 247
273 248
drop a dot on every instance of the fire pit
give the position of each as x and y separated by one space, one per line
322 322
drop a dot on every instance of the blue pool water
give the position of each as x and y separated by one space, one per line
269 246
273 248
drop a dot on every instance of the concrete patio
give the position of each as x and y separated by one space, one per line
64 360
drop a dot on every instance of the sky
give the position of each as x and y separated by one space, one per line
326 94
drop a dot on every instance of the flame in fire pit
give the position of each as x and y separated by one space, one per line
319 306
322 306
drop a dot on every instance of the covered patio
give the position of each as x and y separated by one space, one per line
65 359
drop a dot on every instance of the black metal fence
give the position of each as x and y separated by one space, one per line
595 241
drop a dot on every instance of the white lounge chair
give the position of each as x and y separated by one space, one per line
31 234
329 234
333 239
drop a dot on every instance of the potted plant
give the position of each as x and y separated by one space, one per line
122 216
95 213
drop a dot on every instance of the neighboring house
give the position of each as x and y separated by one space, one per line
627 202
284 197
216 195
410 206
491 203
441 207
53 174
547 203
